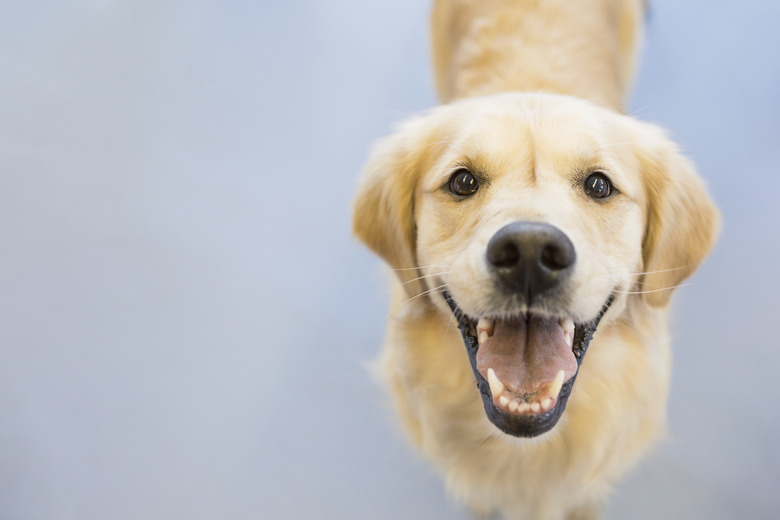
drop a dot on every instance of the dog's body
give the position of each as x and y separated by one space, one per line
457 198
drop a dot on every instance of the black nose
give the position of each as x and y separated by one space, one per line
530 257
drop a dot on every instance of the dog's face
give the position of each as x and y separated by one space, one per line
527 216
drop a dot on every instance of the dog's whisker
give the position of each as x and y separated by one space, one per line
641 109
423 277
655 290
660 270
419 267
641 273
449 326
627 323
426 276
424 293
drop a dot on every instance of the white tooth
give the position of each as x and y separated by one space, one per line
513 406
547 404
504 400
567 325
536 407
496 386
523 407
483 336
487 325
555 387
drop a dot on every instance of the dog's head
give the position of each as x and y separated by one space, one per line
527 216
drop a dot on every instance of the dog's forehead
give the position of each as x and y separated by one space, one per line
510 127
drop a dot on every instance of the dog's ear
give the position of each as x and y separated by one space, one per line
383 216
682 221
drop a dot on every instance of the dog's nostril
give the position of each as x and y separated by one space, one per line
556 257
504 254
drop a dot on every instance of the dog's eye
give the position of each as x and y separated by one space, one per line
597 186
463 183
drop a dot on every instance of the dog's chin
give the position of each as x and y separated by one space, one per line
517 403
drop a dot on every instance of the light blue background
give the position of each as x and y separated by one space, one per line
185 320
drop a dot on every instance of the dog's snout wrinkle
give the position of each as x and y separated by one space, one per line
530 257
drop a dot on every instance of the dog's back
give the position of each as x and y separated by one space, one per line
583 49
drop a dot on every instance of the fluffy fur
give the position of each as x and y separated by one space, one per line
536 89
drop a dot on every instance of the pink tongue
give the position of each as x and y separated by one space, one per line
526 354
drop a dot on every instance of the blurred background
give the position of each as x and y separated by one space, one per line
185 321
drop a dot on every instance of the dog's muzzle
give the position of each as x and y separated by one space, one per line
526 361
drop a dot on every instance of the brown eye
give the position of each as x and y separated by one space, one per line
463 183
597 186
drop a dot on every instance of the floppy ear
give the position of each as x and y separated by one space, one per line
682 221
383 216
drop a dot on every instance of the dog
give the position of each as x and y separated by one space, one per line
536 234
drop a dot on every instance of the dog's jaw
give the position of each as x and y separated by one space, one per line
532 419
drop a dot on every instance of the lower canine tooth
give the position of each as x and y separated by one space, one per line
483 336
496 386
555 387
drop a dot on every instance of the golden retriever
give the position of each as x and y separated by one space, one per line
523 219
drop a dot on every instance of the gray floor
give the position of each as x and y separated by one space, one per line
185 320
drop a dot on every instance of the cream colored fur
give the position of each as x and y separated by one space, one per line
534 148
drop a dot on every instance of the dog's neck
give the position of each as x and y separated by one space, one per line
483 47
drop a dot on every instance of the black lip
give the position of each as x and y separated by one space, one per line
524 425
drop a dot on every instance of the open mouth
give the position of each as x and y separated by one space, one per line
525 366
